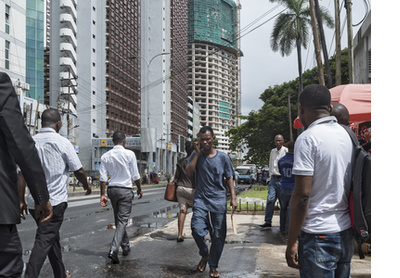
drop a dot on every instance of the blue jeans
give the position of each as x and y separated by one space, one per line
274 190
326 255
204 222
284 199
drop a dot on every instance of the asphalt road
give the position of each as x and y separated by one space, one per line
87 232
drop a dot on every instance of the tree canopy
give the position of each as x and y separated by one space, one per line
258 132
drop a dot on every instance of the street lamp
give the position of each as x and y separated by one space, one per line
147 100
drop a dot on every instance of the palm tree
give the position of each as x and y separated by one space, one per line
292 28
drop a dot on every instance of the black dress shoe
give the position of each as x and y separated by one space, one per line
265 225
126 251
114 257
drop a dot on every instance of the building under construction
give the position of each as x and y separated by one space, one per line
213 64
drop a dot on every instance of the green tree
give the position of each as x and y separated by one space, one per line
292 29
258 131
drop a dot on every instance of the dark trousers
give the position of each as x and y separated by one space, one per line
121 201
11 263
47 243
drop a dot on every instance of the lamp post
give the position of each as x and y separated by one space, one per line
143 89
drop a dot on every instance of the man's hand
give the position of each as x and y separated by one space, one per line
196 147
139 193
291 259
233 204
46 209
88 190
103 201
23 209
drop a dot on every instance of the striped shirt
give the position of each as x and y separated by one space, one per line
58 158
121 165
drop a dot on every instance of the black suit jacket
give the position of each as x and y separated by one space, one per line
16 146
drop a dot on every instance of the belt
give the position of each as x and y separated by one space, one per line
121 187
276 176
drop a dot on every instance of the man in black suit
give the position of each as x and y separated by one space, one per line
16 147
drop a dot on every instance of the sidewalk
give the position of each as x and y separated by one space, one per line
252 252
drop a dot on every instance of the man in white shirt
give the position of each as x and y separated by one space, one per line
121 167
58 158
274 187
319 209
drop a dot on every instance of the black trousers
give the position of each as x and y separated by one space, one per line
11 263
47 243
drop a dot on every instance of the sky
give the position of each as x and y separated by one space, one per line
261 67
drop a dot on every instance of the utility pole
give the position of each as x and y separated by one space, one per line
338 45
350 40
323 44
316 44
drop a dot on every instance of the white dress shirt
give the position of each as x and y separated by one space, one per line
58 158
274 156
120 165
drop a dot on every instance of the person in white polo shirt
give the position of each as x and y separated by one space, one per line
320 226
120 165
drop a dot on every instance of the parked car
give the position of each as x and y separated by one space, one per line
246 173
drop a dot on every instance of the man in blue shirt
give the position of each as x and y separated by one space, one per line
209 206
285 165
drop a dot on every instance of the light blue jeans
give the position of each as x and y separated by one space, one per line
274 190
204 222
326 255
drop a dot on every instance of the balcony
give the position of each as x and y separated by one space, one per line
69 35
70 6
69 20
69 49
68 62
66 76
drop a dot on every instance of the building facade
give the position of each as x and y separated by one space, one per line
213 64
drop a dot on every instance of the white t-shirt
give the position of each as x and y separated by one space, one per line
325 152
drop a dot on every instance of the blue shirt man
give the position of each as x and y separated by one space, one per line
285 165
209 208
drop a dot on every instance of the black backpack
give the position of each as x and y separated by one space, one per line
360 196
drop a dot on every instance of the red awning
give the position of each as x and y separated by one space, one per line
356 98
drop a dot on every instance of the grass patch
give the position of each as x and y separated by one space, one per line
259 191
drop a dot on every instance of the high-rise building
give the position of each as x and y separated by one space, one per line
100 93
213 61
163 86
34 48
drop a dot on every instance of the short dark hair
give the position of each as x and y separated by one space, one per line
118 136
315 97
50 116
206 128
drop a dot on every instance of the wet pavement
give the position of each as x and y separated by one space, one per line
253 252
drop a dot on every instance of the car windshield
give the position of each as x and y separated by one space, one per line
243 171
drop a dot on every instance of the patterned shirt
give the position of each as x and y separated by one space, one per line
121 165
58 158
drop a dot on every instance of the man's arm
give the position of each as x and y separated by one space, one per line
191 167
231 186
23 209
103 198
298 211
139 188
81 176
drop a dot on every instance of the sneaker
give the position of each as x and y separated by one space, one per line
265 225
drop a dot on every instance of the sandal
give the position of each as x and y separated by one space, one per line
202 264
68 274
214 272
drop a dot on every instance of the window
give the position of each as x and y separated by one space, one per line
7 55
7 17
